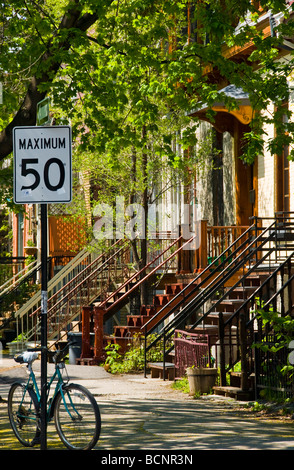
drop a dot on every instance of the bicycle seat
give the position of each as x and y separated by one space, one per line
26 358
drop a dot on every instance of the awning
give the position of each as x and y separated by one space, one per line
243 113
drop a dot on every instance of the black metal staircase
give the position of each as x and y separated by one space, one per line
221 301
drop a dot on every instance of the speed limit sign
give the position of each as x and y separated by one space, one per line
42 164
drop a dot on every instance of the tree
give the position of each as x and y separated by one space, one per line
115 67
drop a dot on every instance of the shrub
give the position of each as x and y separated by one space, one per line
133 360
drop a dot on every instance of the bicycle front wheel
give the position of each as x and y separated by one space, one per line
23 414
77 417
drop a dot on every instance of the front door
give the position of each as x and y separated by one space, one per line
246 181
283 182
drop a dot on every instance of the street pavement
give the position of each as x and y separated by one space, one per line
144 414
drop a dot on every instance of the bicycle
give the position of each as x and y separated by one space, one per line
74 409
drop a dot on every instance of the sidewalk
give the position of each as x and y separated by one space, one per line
142 413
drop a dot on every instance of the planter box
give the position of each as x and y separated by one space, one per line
30 250
15 348
201 380
18 347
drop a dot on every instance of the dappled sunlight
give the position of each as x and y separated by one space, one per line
158 424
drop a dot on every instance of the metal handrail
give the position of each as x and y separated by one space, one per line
260 288
249 271
194 281
145 278
259 241
139 274
18 277
200 299
73 281
80 257
34 314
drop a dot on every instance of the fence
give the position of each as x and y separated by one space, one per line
270 382
191 349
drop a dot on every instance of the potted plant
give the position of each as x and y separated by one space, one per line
201 379
30 248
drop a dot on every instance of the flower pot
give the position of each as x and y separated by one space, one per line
201 380
30 250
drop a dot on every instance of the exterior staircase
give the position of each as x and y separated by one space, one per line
221 303
135 322
217 304
22 288
14 293
27 316
80 284
104 281
164 265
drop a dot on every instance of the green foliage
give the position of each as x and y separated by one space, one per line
127 82
133 359
182 385
283 329
16 298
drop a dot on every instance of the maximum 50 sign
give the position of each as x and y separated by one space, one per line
42 164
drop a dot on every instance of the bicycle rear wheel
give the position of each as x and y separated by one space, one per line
23 414
77 418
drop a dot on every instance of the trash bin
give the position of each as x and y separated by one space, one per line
75 348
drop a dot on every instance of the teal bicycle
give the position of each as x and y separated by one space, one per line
72 407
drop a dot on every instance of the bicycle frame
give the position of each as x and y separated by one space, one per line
64 403
32 382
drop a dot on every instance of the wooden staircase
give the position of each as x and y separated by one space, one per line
115 301
135 322
78 283
13 294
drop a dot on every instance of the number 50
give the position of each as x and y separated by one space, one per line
26 170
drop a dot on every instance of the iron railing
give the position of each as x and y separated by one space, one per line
264 248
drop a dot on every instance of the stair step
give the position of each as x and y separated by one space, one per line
122 331
122 342
229 305
86 361
137 320
235 379
242 292
233 392
212 331
213 317
207 329
147 310
175 289
253 280
157 369
162 299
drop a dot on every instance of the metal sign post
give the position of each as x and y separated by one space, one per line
44 297
42 174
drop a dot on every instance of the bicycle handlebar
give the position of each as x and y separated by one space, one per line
57 355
